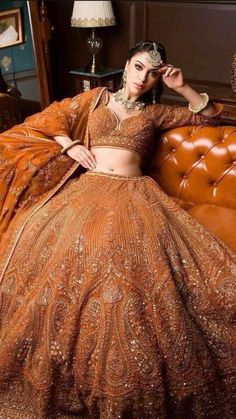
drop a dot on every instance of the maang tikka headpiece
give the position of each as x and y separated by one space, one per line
154 56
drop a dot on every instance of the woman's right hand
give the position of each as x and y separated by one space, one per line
83 156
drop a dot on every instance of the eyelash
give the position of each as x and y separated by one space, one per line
154 74
139 68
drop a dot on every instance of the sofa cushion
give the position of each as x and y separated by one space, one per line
220 221
197 164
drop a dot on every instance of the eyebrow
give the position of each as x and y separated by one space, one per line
150 69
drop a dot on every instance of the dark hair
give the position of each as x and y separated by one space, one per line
149 46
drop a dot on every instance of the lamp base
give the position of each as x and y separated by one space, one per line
94 45
94 66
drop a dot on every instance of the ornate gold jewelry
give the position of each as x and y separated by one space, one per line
124 78
154 95
202 105
69 146
129 105
154 56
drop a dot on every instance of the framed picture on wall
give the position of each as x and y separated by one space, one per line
11 28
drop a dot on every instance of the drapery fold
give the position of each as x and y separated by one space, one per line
32 168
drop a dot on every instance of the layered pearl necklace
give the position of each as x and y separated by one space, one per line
129 105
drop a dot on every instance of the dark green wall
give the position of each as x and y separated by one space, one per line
22 55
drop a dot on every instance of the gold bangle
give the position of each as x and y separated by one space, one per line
67 147
202 105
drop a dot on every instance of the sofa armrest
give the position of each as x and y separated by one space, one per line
218 220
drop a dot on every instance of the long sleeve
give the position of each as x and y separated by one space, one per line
167 116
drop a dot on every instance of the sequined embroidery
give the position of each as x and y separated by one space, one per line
113 306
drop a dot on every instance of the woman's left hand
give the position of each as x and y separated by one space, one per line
172 76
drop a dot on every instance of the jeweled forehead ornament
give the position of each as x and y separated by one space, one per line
154 56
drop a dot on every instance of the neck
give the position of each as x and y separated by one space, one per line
128 95
128 104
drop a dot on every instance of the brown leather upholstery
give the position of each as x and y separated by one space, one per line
197 166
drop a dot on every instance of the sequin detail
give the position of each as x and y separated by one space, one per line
137 133
113 175
113 307
134 133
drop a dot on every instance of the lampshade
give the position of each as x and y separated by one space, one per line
92 14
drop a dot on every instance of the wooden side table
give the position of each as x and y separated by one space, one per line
229 111
110 78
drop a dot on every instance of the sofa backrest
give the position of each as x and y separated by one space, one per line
197 164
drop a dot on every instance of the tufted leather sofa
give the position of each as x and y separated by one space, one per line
197 167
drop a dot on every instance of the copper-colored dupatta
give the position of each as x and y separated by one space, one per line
32 170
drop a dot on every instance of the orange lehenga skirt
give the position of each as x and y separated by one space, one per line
117 304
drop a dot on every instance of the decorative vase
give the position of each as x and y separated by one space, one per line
233 73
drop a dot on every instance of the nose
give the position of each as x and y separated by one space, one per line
143 76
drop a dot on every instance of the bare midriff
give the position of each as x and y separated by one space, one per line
116 161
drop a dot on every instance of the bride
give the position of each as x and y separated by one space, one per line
115 303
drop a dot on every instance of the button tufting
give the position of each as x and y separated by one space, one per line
214 184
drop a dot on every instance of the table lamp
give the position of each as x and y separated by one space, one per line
93 14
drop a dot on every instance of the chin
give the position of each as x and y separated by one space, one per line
136 91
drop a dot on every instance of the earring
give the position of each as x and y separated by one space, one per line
124 78
154 96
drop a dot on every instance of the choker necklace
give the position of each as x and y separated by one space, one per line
129 105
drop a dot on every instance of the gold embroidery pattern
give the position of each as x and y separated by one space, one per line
135 133
117 307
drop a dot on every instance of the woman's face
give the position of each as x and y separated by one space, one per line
142 76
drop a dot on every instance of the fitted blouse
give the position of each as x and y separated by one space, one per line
137 132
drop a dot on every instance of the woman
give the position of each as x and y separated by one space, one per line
115 302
